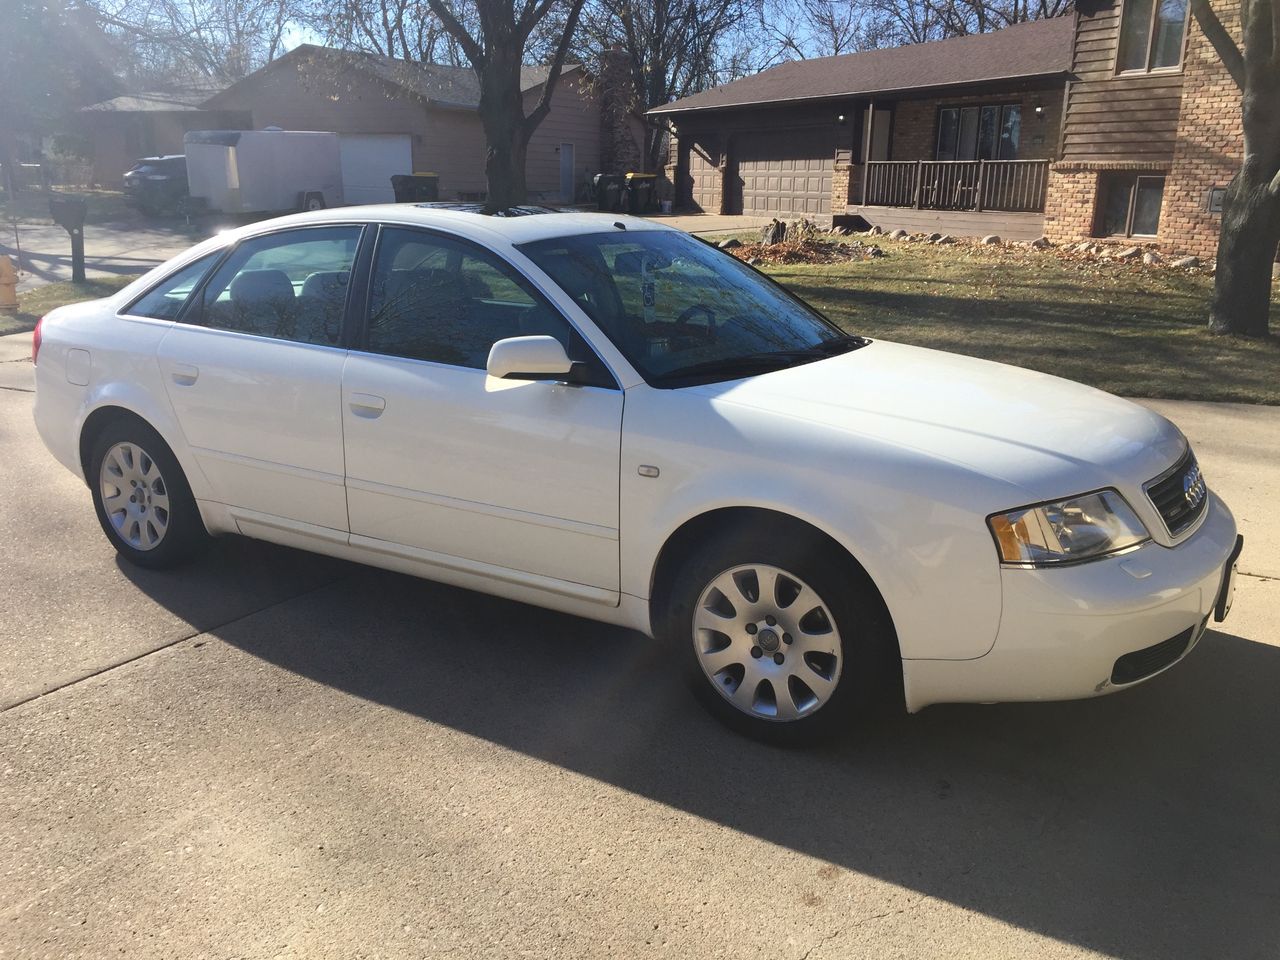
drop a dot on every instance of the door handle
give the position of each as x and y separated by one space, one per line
367 405
184 374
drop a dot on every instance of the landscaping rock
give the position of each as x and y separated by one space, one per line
1085 247
1151 258
898 234
945 239
1128 253
991 239
1186 263
775 231
875 252
729 244
754 261
935 237
876 230
1041 243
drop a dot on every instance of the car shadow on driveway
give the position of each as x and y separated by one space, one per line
1143 825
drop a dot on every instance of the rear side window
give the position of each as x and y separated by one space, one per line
290 285
167 298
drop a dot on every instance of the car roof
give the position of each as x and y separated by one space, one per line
464 221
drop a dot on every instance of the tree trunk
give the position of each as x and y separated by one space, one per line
505 130
1241 301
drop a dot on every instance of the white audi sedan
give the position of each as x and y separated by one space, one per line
608 417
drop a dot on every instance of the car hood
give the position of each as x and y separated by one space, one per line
1049 436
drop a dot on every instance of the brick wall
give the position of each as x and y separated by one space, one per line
1070 204
1210 144
915 123
841 175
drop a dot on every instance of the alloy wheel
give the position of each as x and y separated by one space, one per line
767 642
135 496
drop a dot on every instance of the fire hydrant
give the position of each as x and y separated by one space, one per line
8 286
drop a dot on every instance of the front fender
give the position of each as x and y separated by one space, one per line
915 524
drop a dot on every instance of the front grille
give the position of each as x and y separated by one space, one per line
1179 494
1143 663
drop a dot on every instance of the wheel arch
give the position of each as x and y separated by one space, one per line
721 520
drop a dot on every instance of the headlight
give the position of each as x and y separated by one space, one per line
1082 528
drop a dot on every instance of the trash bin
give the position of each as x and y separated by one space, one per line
642 192
608 191
416 187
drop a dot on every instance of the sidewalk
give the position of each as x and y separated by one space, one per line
127 247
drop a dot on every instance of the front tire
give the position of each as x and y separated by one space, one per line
142 498
782 636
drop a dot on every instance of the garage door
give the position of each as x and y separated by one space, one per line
786 172
369 162
706 183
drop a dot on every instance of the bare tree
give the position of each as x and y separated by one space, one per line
674 47
210 42
496 46
800 29
407 29
1250 234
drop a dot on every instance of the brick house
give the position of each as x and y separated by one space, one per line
1117 122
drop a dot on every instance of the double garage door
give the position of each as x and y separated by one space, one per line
784 172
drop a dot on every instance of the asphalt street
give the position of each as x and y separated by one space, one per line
270 754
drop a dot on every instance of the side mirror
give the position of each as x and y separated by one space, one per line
529 358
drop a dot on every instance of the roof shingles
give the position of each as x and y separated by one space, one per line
1029 50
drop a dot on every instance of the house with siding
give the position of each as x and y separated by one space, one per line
1116 122
396 116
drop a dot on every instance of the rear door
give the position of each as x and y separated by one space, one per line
253 369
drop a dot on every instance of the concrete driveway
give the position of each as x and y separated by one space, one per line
271 754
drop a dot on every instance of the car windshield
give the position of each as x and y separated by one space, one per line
683 312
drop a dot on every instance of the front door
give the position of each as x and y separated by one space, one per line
507 478
253 369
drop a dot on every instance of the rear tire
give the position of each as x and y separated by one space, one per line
142 498
781 636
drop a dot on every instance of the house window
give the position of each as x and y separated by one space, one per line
1130 205
1151 35
989 132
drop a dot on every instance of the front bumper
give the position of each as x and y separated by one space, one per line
1092 628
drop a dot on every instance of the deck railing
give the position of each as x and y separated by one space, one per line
1012 186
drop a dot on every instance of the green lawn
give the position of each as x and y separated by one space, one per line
34 304
1133 330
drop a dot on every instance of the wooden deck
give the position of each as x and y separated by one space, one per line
957 223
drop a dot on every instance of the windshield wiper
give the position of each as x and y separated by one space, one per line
764 361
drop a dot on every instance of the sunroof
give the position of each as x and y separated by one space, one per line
521 210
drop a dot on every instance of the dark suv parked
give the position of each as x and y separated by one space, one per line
157 184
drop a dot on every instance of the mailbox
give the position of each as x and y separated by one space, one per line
69 214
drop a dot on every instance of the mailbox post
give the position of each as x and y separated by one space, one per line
69 213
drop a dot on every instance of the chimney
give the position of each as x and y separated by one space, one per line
621 134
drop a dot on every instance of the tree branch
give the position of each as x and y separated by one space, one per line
543 107
1217 34
473 50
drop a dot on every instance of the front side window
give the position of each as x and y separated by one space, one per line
290 285
1130 205
166 299
989 132
681 311
439 299
1151 35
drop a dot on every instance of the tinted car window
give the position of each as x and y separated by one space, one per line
290 285
682 311
434 298
166 299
